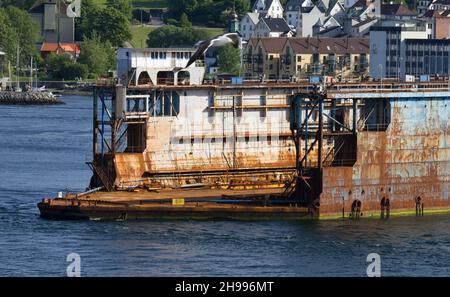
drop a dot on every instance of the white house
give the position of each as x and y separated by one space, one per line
440 5
272 27
158 66
270 8
349 3
293 12
308 17
422 6
248 24
337 11
327 27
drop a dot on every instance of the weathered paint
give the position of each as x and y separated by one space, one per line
410 159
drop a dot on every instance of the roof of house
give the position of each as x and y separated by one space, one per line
328 45
431 14
359 3
38 6
66 47
444 2
277 24
366 21
445 13
267 4
254 16
294 5
274 45
396 9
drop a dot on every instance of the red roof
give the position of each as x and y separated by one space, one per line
72 48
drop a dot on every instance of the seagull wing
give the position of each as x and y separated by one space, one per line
235 38
202 48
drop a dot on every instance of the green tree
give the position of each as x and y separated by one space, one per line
207 12
167 36
177 7
98 56
8 40
228 59
184 21
22 4
81 23
124 6
62 67
18 30
108 23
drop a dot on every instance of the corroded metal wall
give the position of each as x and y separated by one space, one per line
400 161
410 159
228 131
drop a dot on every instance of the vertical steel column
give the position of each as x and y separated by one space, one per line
102 97
333 115
354 115
320 132
114 124
95 124
306 133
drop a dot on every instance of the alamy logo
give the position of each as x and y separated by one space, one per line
74 8
74 268
374 268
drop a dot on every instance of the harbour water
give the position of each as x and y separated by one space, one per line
43 150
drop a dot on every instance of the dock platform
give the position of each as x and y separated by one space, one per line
206 204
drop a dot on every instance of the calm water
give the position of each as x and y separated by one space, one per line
43 150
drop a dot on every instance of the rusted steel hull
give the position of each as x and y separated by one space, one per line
408 161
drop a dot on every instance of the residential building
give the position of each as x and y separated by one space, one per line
248 25
71 49
342 58
272 27
397 12
422 6
54 25
337 10
158 66
388 47
309 16
261 58
427 56
357 28
295 58
293 12
439 5
328 27
438 22
269 8
349 3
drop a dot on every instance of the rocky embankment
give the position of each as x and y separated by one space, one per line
28 98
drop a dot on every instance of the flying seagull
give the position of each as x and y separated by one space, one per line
221 40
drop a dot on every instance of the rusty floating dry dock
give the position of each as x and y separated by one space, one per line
174 204
373 148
